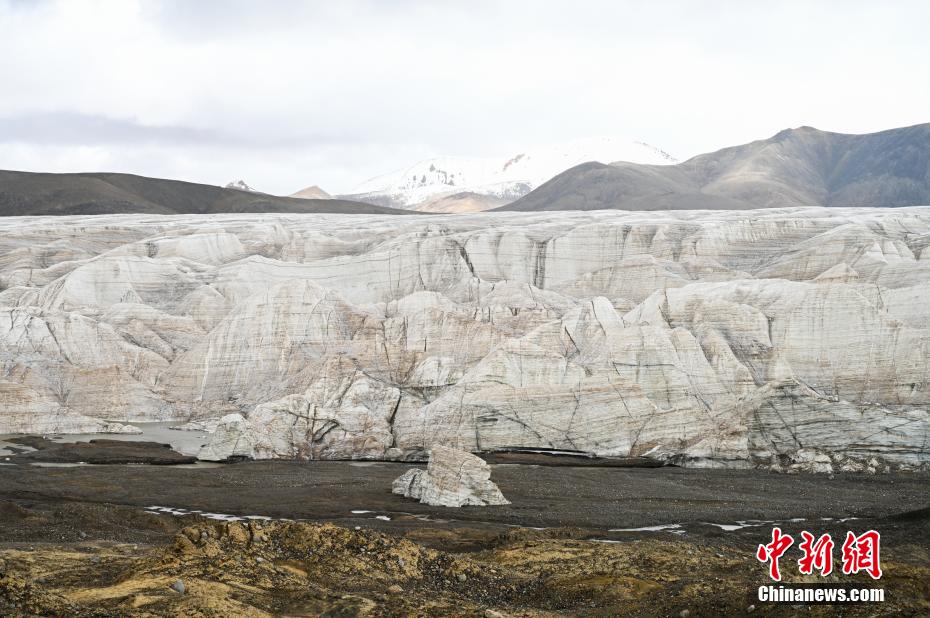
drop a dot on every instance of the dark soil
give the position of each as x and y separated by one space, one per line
78 541
542 496
100 451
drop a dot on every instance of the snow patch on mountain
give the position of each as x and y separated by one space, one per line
505 178
241 186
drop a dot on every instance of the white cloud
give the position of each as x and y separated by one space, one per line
285 94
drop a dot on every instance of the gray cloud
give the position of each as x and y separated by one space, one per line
70 128
63 128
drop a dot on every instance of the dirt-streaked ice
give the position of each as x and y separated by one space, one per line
794 339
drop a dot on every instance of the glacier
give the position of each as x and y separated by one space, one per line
791 339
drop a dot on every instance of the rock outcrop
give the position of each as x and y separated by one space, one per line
792 339
452 478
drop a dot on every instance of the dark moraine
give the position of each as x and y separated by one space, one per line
98 451
596 499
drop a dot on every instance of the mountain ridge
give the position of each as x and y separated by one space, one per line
313 192
489 181
795 167
42 193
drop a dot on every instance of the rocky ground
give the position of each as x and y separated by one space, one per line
78 541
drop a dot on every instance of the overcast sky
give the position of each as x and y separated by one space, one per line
287 94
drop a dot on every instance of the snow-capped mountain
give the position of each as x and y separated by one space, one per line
241 186
501 179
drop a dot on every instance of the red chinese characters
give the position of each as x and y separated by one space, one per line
774 550
861 553
817 554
